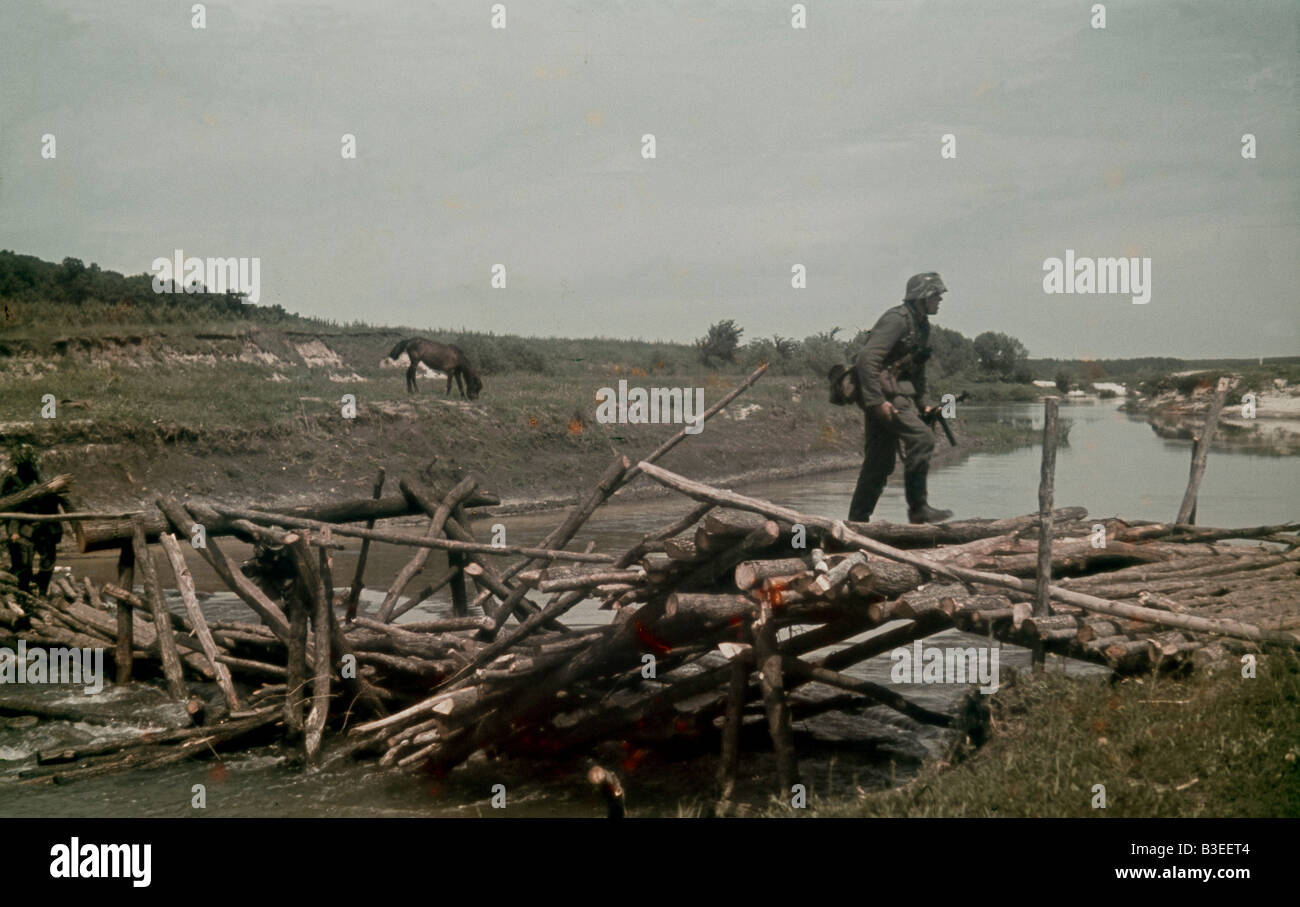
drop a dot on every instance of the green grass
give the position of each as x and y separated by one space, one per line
212 399
1212 744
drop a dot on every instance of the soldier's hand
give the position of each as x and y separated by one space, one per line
886 410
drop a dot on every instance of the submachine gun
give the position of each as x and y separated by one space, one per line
936 415
889 377
844 388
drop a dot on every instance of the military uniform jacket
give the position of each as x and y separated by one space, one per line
899 332
12 484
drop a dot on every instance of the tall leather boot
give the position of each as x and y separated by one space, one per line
864 500
871 485
918 510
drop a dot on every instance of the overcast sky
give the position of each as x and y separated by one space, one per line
775 146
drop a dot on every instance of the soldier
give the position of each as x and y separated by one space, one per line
891 378
31 545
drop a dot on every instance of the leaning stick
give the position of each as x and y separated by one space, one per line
729 762
1046 489
123 654
399 538
428 591
171 659
71 517
313 587
837 528
185 582
768 662
354 594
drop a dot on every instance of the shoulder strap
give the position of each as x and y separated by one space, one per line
907 341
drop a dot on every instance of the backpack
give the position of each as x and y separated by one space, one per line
843 380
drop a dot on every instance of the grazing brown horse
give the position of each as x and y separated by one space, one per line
442 357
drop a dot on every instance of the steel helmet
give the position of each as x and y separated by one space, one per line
920 286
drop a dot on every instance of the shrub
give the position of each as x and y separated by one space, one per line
720 343
821 351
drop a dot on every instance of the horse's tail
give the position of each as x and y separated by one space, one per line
399 349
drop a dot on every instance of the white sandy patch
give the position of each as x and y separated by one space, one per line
315 353
254 353
174 358
742 412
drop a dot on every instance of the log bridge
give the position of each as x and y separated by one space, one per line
726 610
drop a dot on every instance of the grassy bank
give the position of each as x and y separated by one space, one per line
1211 744
258 414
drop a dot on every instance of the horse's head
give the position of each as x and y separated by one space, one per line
473 386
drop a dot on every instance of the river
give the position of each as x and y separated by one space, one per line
1113 464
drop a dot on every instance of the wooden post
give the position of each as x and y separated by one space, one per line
296 674
126 567
730 762
459 597
1201 454
314 596
1046 491
171 659
123 653
354 594
326 568
778 712
185 582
